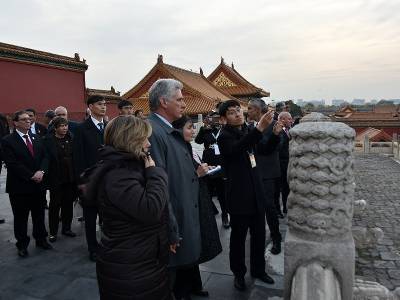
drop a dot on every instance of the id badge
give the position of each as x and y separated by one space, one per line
216 149
252 160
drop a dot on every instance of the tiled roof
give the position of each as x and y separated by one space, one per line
240 87
374 135
200 95
108 95
17 53
379 113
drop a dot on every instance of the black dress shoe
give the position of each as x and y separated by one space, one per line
44 245
225 221
239 283
68 233
201 293
265 278
2 221
93 256
52 238
276 248
81 219
23 253
280 215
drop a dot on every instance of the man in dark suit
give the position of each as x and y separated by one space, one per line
62 112
36 128
245 198
26 162
88 139
267 158
208 135
286 119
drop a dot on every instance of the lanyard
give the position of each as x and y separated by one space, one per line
217 135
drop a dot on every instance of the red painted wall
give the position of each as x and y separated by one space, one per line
25 85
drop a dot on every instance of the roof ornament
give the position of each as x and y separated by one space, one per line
222 60
112 90
160 59
233 67
77 58
201 71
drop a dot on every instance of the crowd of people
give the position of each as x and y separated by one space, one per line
151 193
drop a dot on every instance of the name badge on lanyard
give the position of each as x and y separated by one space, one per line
215 146
252 160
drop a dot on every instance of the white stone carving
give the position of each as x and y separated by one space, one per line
369 290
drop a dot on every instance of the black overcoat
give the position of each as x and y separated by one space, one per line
133 254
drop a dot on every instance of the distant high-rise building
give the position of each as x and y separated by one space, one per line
300 102
318 102
337 102
358 102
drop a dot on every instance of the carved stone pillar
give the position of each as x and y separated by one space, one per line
320 204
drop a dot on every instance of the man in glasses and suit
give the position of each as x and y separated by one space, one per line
26 163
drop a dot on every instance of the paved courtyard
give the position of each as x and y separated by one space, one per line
66 272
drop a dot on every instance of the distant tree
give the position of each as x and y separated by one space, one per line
294 109
385 102
309 107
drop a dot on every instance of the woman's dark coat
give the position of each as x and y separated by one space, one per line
133 255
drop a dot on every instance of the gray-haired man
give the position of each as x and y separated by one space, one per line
170 152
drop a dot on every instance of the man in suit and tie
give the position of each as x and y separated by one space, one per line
26 163
267 158
36 128
286 119
88 139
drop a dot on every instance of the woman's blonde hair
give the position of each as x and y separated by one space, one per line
127 133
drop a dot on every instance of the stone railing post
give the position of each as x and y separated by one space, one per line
366 144
319 246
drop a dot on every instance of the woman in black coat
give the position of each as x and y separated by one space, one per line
188 280
131 193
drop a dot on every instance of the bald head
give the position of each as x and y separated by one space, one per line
62 112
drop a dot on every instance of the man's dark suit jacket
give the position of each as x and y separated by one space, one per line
21 166
284 146
267 154
244 187
41 130
87 140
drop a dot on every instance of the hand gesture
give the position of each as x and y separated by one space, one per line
173 247
265 121
202 170
37 177
277 127
148 161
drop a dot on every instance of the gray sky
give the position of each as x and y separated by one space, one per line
309 49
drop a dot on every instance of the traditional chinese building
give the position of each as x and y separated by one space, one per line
228 79
41 80
112 99
200 95
385 117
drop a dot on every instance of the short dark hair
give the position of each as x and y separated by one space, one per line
58 121
16 115
31 110
223 108
178 124
138 111
123 103
93 99
50 114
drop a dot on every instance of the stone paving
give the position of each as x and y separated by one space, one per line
378 182
66 272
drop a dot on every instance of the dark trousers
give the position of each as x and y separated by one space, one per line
186 281
284 185
216 186
271 212
61 197
22 205
90 215
240 224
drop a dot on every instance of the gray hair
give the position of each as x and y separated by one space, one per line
165 88
259 103
58 108
283 114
